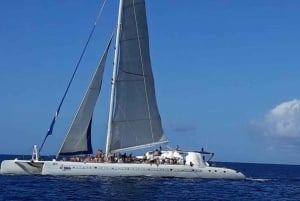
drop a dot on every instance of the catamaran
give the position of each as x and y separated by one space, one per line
133 121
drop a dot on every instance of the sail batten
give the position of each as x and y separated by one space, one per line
164 141
78 139
136 120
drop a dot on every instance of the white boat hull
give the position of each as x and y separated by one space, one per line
134 169
21 167
194 167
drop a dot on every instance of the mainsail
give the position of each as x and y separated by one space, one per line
136 119
78 139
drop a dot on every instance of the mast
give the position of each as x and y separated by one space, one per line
112 94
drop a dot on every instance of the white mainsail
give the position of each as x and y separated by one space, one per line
136 120
78 139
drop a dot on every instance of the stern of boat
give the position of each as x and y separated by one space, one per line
22 167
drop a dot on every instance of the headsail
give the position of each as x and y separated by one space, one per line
50 130
78 139
136 121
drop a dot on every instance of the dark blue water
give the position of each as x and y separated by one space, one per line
265 182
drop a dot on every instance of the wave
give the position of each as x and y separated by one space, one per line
258 179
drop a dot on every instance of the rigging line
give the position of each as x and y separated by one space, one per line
142 63
50 129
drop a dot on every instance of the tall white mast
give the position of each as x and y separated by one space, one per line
112 94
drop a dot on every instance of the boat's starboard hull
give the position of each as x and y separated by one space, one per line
133 169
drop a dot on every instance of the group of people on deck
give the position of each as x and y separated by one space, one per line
153 157
98 158
101 158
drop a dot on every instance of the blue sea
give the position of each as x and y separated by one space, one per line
264 182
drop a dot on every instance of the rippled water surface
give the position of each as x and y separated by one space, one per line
264 182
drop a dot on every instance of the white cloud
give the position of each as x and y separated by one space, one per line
281 124
283 120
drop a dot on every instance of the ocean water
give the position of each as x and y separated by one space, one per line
264 182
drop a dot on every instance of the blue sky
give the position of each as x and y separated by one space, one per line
227 74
